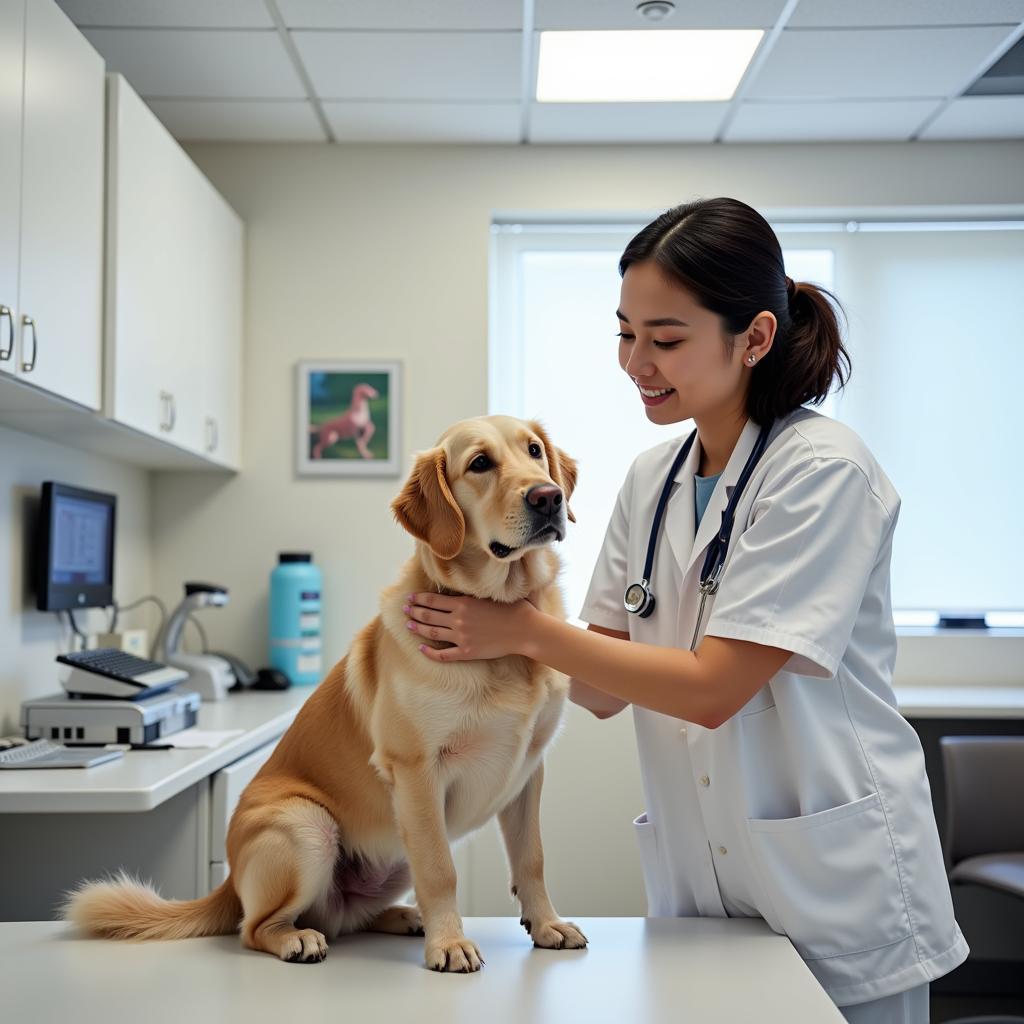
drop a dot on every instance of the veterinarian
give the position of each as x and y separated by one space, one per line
781 780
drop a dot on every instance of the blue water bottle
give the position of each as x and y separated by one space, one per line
295 618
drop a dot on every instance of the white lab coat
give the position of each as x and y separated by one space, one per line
810 807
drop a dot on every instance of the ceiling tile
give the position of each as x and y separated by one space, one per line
869 64
423 122
477 66
867 13
188 64
625 122
979 117
162 14
615 14
407 15
240 120
828 122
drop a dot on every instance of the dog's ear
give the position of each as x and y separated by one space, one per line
427 509
561 465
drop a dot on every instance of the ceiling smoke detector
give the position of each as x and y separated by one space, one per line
655 10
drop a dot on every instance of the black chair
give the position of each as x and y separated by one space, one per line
984 837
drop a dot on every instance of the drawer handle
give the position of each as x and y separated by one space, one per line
5 353
30 364
212 434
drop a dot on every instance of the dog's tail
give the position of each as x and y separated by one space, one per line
126 908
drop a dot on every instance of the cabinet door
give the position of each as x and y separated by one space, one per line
173 269
226 788
220 329
61 208
12 52
147 314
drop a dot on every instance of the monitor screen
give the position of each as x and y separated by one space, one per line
76 548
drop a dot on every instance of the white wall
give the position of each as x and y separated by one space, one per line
30 639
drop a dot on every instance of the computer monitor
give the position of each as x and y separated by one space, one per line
75 550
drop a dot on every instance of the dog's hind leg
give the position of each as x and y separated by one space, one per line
286 866
397 920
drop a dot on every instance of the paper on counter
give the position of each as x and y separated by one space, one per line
199 737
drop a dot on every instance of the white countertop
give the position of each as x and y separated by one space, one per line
143 779
707 970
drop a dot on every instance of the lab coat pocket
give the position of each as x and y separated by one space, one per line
832 878
650 864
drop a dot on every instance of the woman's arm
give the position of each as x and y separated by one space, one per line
598 703
706 686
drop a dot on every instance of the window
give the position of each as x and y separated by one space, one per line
932 339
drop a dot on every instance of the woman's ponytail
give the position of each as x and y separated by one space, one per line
728 256
807 356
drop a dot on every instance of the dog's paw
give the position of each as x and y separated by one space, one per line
303 947
458 956
557 935
398 920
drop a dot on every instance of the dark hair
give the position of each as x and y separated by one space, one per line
728 256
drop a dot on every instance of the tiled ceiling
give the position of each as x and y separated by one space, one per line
465 70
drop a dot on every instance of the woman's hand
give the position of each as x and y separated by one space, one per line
478 628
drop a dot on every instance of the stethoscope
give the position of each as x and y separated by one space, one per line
638 598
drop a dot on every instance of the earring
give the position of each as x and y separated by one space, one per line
751 360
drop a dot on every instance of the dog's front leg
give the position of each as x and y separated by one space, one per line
419 810
520 827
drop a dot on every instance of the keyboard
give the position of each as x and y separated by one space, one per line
108 672
44 754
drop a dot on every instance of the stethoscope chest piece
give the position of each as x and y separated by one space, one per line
638 599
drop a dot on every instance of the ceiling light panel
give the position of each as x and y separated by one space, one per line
643 66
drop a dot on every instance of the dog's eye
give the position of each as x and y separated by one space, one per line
534 450
480 464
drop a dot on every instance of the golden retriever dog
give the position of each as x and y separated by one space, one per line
393 757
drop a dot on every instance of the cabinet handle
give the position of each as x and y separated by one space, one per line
174 412
5 353
30 364
212 434
165 417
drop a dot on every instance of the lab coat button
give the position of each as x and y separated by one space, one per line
705 781
722 850
682 731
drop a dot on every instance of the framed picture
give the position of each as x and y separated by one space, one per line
348 418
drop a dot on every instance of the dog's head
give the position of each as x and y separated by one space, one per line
493 483
364 391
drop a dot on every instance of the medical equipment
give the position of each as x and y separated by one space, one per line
208 674
94 720
107 672
44 754
75 548
638 598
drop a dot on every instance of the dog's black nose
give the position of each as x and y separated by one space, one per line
544 498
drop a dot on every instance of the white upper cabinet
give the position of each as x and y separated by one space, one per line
60 289
51 183
12 51
174 289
